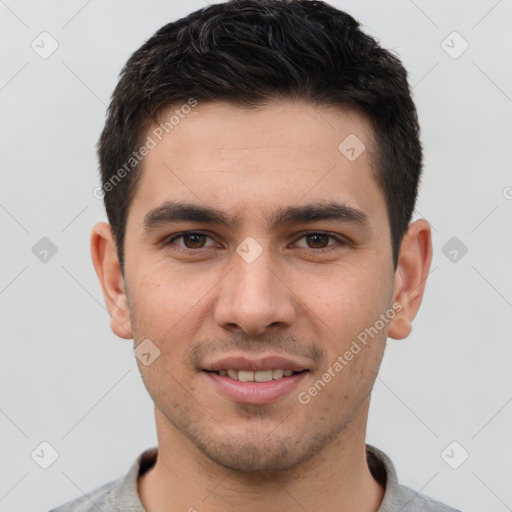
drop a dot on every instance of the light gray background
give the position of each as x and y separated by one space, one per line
67 380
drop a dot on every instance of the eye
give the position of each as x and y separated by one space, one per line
195 240
191 240
319 240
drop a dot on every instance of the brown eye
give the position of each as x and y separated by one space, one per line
194 240
318 240
191 240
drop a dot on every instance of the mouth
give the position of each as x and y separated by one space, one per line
256 376
254 381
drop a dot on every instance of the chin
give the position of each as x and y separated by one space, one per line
262 452
251 458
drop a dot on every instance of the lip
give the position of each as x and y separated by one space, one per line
255 364
255 392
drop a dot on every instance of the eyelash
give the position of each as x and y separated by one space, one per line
320 250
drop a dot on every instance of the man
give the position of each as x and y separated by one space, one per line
260 164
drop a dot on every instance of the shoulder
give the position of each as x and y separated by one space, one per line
408 500
102 498
397 497
117 495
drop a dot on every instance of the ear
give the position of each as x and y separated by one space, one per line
410 277
108 269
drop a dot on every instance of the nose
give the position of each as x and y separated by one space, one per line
254 297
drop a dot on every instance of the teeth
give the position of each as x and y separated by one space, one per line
260 376
245 376
277 374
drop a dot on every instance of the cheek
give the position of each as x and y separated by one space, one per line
349 302
164 296
349 308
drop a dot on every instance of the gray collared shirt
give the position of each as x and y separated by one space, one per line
121 495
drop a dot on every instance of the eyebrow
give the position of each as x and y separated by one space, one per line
173 212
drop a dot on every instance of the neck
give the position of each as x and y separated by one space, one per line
336 479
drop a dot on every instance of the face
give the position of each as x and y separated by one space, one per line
255 245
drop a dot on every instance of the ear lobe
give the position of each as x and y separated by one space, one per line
108 270
410 277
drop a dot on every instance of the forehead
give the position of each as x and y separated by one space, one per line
243 160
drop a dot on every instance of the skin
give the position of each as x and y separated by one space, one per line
293 300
